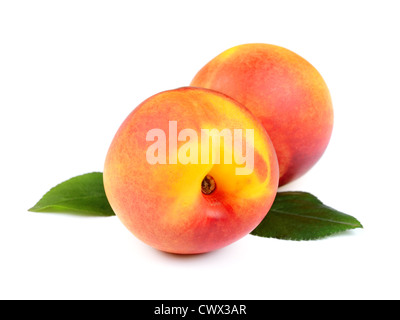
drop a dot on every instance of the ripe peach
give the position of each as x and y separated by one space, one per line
285 92
170 191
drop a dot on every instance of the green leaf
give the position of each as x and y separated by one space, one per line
82 195
301 216
293 216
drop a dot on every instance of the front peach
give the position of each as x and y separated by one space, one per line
171 191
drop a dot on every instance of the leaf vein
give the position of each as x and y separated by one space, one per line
314 218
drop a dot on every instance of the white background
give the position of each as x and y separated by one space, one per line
71 71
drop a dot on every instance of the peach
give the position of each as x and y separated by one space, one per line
285 92
166 183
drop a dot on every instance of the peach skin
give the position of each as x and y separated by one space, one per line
285 92
190 171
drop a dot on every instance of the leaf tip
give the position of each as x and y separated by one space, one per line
33 209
